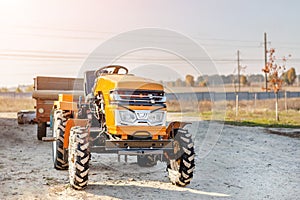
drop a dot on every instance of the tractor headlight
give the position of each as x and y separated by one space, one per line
127 116
156 117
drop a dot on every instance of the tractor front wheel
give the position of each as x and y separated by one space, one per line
181 165
79 156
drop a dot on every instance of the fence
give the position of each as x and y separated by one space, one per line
229 96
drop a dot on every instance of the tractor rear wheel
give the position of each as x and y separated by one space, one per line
59 124
79 156
146 160
181 165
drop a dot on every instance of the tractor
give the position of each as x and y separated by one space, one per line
123 114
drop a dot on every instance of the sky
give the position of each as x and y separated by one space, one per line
54 38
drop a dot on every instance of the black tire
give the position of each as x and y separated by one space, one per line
20 119
59 124
146 160
182 164
41 130
79 156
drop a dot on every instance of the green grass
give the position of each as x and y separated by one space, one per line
290 119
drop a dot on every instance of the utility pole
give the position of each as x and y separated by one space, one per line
239 69
239 85
266 51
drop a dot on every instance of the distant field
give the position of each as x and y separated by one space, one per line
260 113
290 119
16 104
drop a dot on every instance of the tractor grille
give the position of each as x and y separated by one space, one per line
139 96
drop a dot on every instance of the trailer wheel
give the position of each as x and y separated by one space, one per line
182 164
20 118
79 156
59 124
146 160
41 130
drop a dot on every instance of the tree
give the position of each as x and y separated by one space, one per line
203 83
19 90
291 76
243 79
199 80
29 88
256 78
178 83
189 80
3 89
275 73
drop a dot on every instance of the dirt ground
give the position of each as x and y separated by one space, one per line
245 163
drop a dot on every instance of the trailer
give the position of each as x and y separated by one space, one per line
46 91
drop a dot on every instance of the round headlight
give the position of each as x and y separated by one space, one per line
41 110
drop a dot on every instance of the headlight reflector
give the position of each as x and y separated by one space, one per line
127 116
156 117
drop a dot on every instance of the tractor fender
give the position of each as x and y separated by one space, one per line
71 123
175 125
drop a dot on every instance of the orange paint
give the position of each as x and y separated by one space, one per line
71 123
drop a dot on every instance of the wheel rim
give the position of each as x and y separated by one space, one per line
176 147
174 174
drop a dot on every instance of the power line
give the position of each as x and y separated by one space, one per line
207 45
66 29
42 52
103 32
81 56
109 32
288 45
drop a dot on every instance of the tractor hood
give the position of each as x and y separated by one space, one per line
116 81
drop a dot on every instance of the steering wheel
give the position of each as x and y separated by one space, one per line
115 68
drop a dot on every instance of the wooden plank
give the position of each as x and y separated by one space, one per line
58 83
53 94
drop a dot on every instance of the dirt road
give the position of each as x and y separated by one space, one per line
245 163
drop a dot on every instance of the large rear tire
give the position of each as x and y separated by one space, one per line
41 130
79 156
181 165
59 124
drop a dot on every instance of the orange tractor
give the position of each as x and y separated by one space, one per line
122 114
